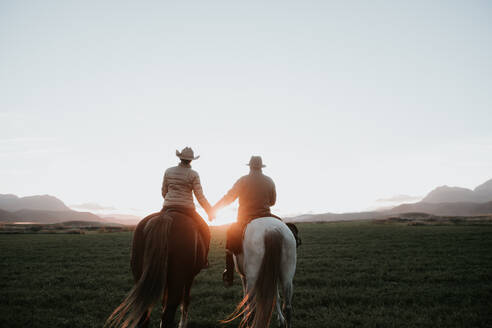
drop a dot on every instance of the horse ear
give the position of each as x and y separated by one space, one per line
177 153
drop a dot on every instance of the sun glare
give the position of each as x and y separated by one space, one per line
222 218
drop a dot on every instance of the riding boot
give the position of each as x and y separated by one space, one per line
228 275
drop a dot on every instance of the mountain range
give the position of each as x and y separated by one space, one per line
13 203
443 200
449 201
446 194
43 216
445 209
40 209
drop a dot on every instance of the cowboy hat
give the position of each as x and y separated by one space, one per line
187 154
256 162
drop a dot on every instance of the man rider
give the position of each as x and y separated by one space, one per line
256 193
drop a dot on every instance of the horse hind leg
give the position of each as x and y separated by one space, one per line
287 307
183 322
280 316
174 296
167 317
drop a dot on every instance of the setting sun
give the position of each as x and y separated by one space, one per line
222 219
224 216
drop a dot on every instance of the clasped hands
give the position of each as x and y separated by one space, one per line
212 213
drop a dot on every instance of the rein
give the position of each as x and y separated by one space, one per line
196 249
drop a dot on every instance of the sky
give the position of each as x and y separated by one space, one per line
348 102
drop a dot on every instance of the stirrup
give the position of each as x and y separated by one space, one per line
228 278
206 265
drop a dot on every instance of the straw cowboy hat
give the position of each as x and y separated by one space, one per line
187 154
256 162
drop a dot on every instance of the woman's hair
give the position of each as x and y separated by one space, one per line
186 161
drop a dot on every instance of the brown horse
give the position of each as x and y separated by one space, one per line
166 257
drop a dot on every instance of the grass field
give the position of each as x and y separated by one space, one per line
349 274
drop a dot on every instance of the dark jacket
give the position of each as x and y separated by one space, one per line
256 193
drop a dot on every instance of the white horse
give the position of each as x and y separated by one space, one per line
267 264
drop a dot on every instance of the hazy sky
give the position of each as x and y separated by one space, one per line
347 101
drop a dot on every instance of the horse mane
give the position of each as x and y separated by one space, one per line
151 276
257 305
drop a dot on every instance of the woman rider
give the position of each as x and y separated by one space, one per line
179 183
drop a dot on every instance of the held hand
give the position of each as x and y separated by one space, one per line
211 215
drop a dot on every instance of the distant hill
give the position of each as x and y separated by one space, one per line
5 215
125 219
39 209
13 203
446 194
485 189
445 209
449 201
87 224
332 217
39 216
444 200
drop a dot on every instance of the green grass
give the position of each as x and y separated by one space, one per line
349 274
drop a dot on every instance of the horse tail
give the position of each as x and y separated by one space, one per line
138 247
257 305
152 282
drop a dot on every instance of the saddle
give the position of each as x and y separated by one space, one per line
235 234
